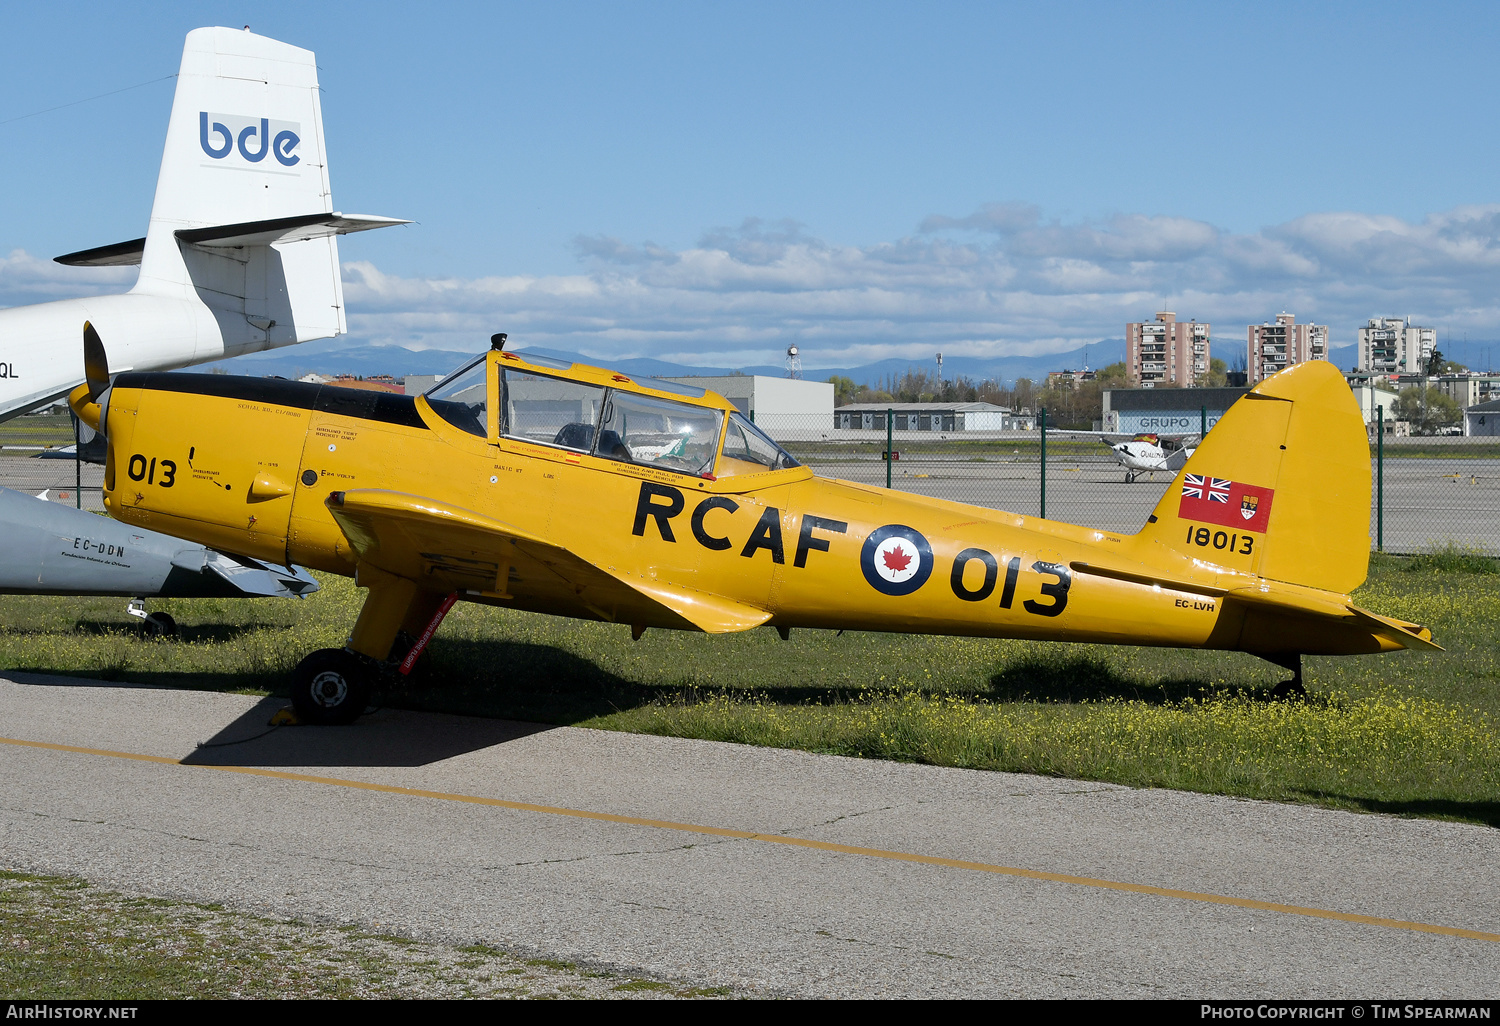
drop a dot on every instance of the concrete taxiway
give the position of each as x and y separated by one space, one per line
780 872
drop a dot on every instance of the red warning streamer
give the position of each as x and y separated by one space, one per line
432 626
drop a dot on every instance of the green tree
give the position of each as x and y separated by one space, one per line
1437 363
1113 376
844 390
1427 413
1218 373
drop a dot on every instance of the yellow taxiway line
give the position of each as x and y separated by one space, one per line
795 842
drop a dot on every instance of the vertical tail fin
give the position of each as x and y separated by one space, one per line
1279 488
245 146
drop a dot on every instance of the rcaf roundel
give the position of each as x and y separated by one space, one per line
896 560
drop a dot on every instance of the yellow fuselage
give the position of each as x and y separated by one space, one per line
247 466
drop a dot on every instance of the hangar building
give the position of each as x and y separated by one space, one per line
1483 419
932 417
1174 411
781 407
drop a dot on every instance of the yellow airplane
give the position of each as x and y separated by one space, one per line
528 483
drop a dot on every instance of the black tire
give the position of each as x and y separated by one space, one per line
159 625
331 686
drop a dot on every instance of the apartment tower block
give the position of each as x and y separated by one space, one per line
1391 345
1275 347
1166 352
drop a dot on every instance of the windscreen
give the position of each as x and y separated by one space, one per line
460 398
748 450
659 433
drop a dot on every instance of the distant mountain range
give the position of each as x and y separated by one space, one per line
331 356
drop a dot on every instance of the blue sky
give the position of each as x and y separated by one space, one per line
868 180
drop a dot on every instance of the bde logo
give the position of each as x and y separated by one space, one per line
219 134
896 560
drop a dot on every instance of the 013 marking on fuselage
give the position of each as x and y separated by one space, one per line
894 559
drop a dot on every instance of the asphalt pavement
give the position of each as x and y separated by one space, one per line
784 873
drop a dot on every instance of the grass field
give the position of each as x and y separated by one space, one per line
1405 733
37 429
61 939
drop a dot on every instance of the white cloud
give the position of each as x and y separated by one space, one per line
25 279
998 281
1002 280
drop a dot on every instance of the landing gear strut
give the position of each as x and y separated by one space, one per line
1289 688
153 625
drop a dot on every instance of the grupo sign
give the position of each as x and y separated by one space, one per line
1175 422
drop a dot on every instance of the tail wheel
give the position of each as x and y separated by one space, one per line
331 686
1289 689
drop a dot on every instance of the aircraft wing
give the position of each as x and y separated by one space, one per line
457 549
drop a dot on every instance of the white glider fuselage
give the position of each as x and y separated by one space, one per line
40 350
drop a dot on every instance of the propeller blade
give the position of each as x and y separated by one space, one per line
95 362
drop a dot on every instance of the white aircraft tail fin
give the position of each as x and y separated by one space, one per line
243 215
245 144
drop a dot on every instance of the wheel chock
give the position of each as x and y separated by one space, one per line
286 716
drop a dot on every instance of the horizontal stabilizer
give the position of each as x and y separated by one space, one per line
283 229
425 540
121 254
1408 634
228 236
1283 598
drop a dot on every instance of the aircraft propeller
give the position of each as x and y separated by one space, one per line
84 400
95 362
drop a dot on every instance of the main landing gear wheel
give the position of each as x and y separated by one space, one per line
331 686
159 625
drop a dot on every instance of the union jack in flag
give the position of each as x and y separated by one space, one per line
1214 489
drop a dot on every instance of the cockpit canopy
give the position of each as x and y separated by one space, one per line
609 422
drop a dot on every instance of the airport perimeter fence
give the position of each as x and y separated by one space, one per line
35 458
1429 492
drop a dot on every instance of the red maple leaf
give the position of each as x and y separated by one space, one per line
896 559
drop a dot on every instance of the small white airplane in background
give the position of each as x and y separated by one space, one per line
1145 454
241 252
